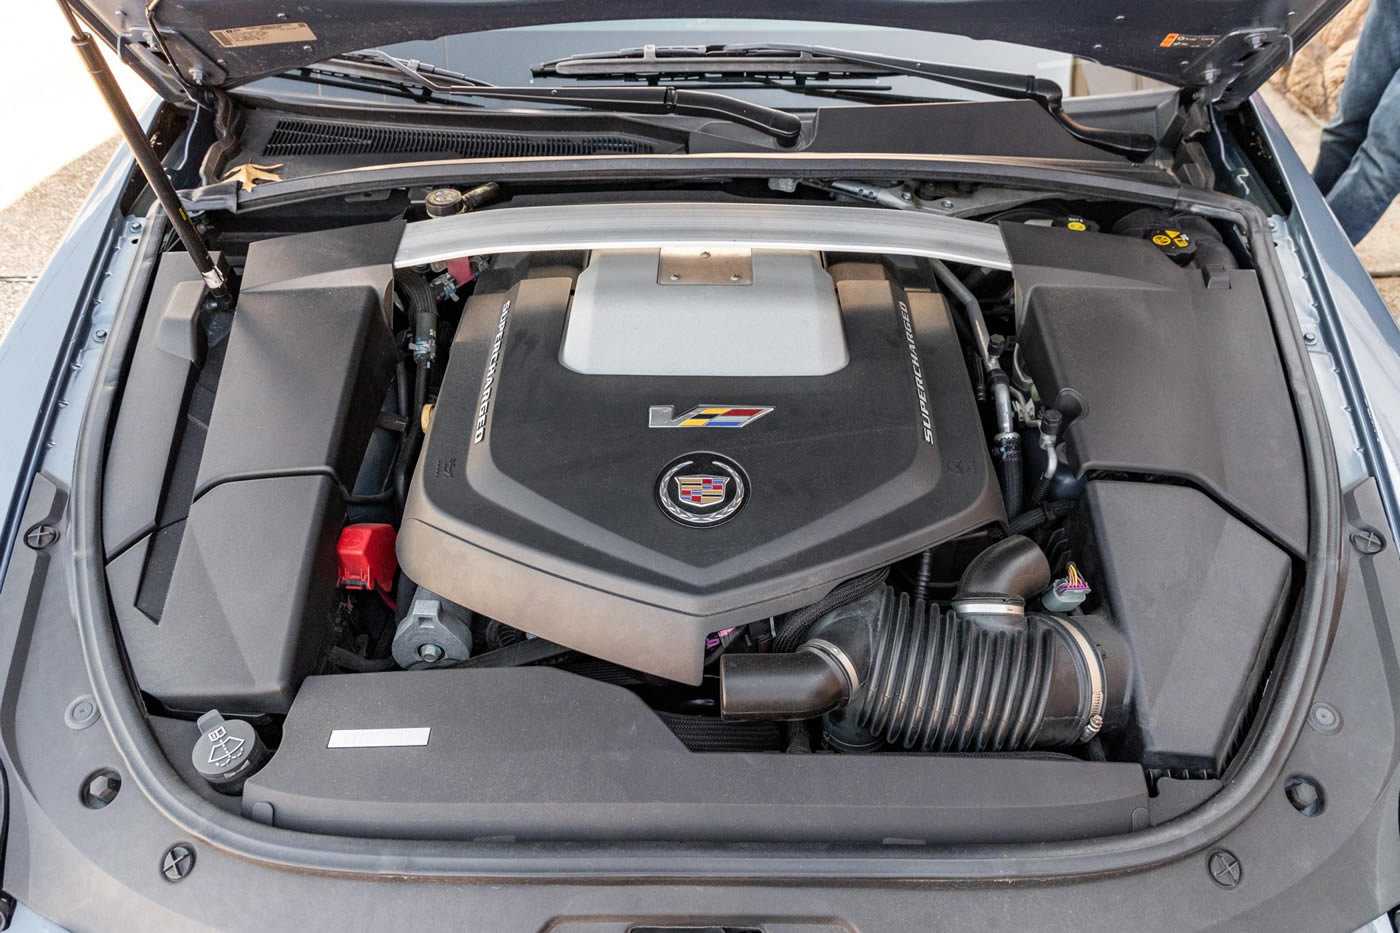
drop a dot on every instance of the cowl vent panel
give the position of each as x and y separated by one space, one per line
292 138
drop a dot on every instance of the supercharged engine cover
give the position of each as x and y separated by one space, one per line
575 507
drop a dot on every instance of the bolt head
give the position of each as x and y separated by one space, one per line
430 653
946 204
104 787
1304 794
100 789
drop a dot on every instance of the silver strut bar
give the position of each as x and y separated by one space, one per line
690 224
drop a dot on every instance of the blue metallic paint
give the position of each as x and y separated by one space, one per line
1356 324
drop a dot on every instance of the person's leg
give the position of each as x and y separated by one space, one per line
1372 181
1376 60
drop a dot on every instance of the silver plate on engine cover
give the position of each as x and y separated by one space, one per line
729 266
629 318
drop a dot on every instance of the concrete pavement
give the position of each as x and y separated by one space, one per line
59 136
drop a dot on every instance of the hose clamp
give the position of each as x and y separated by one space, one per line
1093 667
974 607
836 656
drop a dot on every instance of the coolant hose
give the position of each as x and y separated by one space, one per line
986 676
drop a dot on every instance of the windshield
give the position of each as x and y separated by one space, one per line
505 56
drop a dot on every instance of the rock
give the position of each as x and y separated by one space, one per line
1345 25
1305 82
1314 77
1334 72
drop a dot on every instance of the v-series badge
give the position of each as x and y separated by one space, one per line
706 416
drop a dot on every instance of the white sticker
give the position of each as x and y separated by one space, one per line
379 738
271 34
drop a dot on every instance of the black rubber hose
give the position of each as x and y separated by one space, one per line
891 670
888 669
1014 567
939 682
401 389
421 306
788 685
924 577
795 626
1042 514
1011 481
417 294
1042 489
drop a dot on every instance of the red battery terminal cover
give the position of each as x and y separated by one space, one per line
367 558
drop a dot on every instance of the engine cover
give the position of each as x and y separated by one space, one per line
628 516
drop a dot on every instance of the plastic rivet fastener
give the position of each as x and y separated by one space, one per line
1225 868
81 712
1324 718
178 862
1367 541
40 537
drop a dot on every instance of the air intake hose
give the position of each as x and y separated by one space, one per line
984 677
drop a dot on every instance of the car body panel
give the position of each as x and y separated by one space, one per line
1230 46
43 339
1355 323
1335 871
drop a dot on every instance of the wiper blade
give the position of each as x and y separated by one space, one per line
818 62
439 82
678 61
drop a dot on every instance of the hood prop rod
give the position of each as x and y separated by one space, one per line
215 278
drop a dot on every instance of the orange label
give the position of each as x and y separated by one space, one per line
1171 37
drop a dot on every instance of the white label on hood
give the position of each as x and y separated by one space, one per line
271 34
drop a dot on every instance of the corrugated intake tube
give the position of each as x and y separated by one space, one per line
891 670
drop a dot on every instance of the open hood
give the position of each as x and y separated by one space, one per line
1228 46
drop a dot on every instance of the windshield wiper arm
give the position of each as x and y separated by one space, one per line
819 62
678 61
779 124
